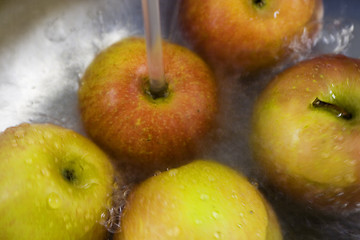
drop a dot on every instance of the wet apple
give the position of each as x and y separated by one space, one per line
147 130
54 184
306 132
249 34
200 200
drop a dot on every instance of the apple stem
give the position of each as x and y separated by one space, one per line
68 175
259 3
151 13
339 111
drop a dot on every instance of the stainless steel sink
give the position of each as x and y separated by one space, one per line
45 46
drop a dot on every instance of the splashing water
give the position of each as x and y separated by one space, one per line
111 219
336 36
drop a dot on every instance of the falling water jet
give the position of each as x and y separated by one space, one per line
158 85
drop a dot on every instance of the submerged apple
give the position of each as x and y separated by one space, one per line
250 34
149 131
54 184
306 132
201 200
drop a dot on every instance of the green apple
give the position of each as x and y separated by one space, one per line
200 200
249 34
306 132
54 184
121 114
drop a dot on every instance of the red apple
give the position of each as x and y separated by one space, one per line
250 34
201 200
306 132
121 115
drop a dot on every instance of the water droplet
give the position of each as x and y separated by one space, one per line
157 173
217 235
350 178
57 145
19 133
325 155
5 195
66 218
173 232
204 197
29 160
211 179
45 172
234 195
215 214
197 221
87 216
54 201
56 31
68 226
173 172
14 143
48 135
276 13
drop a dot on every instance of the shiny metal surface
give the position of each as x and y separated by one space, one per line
45 46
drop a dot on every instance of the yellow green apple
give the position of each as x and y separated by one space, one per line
54 184
201 200
306 132
249 34
121 114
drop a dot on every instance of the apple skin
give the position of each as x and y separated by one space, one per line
307 152
151 134
200 200
236 34
37 201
